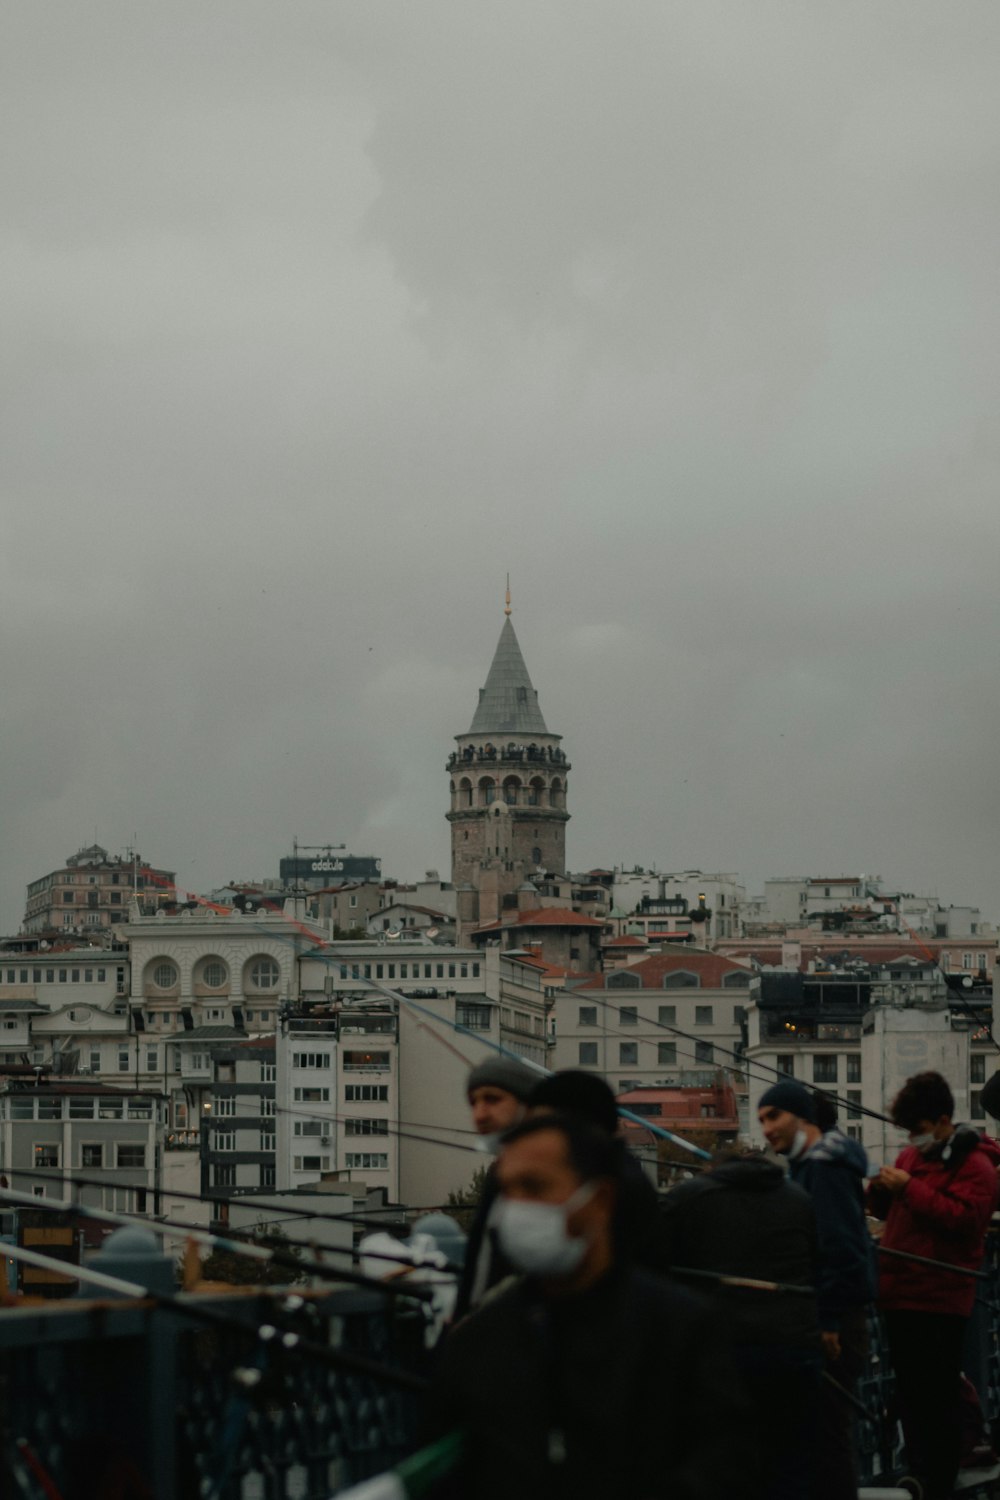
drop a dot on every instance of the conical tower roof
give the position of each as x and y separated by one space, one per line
508 704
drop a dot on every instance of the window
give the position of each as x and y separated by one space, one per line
824 1069
267 1177
628 1015
666 1054
152 1059
123 1060
110 1109
224 1175
311 1127
588 1054
95 1060
264 973
980 960
366 1061
977 1068
132 1155
976 1105
224 1140
268 1072
311 1163
165 976
966 960
92 1154
46 1154
224 1107
681 980
311 1096
704 1052
854 1067
628 1054
367 1127
588 1015
735 980
267 1105
310 1059
854 1104
475 1017
703 1015
357 1093
377 1161
214 974
667 1015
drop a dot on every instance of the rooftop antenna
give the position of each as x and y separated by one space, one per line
507 599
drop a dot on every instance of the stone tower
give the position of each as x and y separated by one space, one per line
508 792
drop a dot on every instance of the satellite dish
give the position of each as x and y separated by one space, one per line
393 934
432 932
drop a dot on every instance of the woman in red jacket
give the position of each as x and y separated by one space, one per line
940 1196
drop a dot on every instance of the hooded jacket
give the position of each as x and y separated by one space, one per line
942 1213
833 1173
745 1218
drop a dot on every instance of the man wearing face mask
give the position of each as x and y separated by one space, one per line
586 1378
937 1201
832 1169
498 1091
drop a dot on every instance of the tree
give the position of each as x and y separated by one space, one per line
462 1204
241 1270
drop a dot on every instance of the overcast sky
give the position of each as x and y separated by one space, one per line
319 317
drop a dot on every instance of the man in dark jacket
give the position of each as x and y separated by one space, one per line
498 1090
585 1096
937 1201
588 1378
743 1218
832 1169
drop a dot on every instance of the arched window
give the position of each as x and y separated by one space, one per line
211 972
681 979
734 980
511 788
163 974
262 972
621 979
487 791
536 792
556 795
465 792
536 855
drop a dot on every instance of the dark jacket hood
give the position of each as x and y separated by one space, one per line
839 1150
755 1174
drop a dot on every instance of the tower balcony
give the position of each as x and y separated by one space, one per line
511 754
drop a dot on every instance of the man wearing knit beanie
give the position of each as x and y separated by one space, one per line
497 1090
833 1170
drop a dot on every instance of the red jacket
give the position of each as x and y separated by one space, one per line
943 1213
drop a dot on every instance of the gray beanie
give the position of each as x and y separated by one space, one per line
793 1097
505 1073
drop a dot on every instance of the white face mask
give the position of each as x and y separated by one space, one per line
799 1144
533 1236
924 1142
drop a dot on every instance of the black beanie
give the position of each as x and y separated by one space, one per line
583 1095
507 1073
795 1097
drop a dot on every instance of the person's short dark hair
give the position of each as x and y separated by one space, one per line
592 1153
585 1096
826 1112
925 1096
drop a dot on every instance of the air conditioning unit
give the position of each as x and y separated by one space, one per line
325 1140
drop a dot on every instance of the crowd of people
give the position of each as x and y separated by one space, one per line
609 1340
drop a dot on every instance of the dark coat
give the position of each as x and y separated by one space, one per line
746 1219
621 1390
833 1173
943 1213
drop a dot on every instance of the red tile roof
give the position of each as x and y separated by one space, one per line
545 916
710 968
627 941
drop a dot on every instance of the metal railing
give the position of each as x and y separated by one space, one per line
107 1394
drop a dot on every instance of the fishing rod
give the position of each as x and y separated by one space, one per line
282 1342
251 1251
751 1283
939 1265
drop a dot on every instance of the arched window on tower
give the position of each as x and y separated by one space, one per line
556 795
487 791
465 792
536 792
511 788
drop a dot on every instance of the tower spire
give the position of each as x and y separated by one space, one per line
507 599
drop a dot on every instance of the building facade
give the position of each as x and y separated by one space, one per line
92 891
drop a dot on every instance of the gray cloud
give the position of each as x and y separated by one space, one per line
318 319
